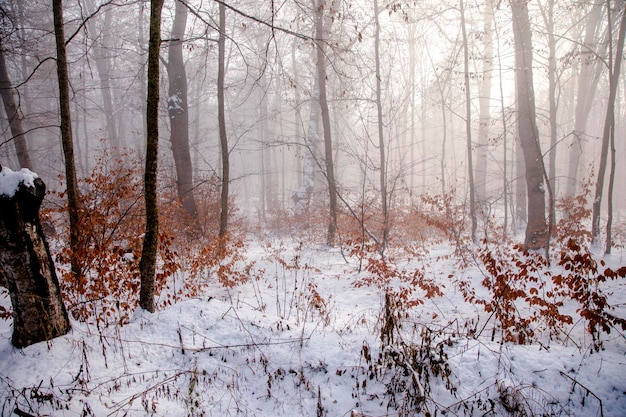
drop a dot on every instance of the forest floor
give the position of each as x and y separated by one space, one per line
301 339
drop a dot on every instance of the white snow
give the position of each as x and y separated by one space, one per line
265 349
10 180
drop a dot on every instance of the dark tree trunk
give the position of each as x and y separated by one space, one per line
73 204
147 264
221 115
38 310
536 228
15 122
177 108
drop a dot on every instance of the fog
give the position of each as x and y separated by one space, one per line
414 82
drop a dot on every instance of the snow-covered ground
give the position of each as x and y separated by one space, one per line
302 340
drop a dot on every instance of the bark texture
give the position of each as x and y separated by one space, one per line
536 228
221 116
147 264
38 310
67 141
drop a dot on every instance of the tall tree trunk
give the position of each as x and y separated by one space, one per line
73 202
381 138
320 33
590 70
15 121
468 127
25 262
178 111
484 107
536 228
221 116
609 123
147 264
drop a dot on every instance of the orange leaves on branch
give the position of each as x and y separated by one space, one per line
525 294
582 282
399 284
111 224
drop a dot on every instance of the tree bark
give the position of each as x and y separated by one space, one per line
73 202
536 227
147 264
15 121
221 115
38 310
178 111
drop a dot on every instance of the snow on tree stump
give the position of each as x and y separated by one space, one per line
38 310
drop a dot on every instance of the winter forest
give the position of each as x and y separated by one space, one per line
313 208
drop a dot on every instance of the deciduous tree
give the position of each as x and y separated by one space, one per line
178 111
147 265
66 133
536 228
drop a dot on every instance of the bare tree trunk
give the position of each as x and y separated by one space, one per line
147 264
73 203
328 144
38 310
609 123
468 127
550 178
15 121
536 228
381 138
221 115
178 111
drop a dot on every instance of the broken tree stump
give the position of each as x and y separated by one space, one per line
38 310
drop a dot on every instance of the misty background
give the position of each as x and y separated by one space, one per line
407 59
